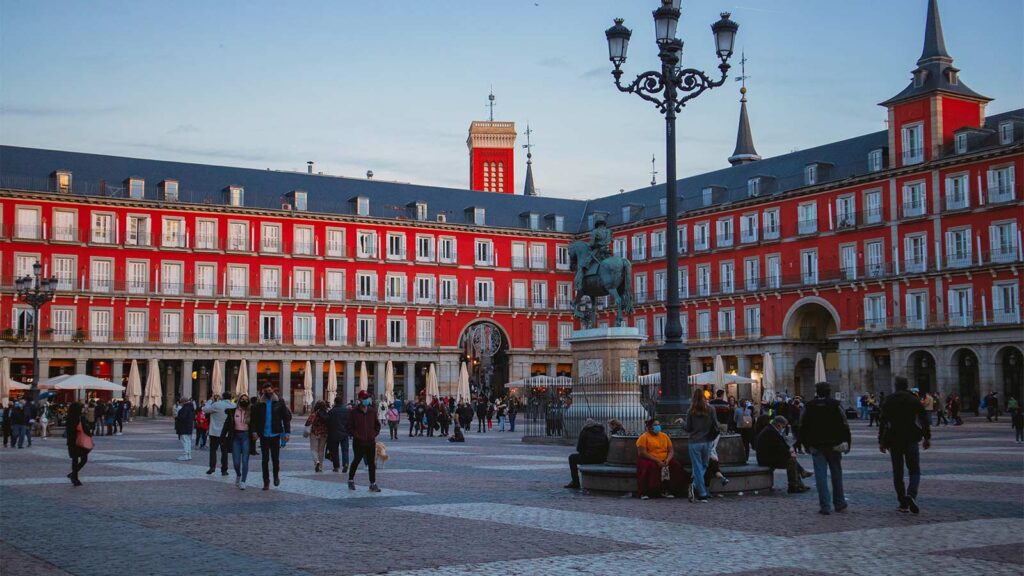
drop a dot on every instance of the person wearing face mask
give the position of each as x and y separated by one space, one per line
237 432
655 456
272 422
363 427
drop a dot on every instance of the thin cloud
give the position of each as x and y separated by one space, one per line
57 111
202 152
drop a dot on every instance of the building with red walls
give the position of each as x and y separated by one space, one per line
893 253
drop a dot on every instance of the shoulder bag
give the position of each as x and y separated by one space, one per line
83 440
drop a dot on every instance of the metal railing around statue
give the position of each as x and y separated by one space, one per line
556 415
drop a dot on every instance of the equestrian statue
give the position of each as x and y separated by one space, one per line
599 273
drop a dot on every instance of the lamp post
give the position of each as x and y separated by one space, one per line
669 90
35 291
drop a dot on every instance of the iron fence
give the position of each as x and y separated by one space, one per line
560 413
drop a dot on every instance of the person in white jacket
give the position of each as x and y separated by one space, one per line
216 409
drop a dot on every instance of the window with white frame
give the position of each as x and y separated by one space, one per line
961 306
660 285
396 246
479 216
173 232
420 210
366 331
724 233
302 241
540 335
137 231
684 282
63 323
102 228
424 290
707 196
335 242
960 143
1001 184
873 206
619 247
448 291
396 332
238 328
727 323
807 214
270 235
917 309
700 235
562 257
64 270
236 196
169 189
874 311
957 191
538 256
848 261
846 211
394 288
206 234
914 200
518 255
26 223
639 247
238 236
270 280
206 279
270 329
362 206
1006 302
446 253
366 244
565 333
1002 238
563 295
773 270
640 322
302 283
659 327
335 331
748 227
559 222
205 327
915 252
484 253
425 332
424 248
626 212
658 244
170 326
65 228
703 280
366 286
727 277
704 325
101 275
753 187
958 247
752 321
238 281
539 293
640 287
662 206
874 258
752 274
24 321
912 137
681 238
136 326
809 266
1006 133
334 283
771 224
810 174
303 329
484 292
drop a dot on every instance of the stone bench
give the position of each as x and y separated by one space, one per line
622 479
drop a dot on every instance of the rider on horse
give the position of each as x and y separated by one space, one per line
600 239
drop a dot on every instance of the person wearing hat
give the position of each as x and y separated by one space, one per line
826 434
363 427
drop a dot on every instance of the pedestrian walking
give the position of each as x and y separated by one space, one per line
337 434
826 434
184 425
991 407
316 431
702 426
940 411
8 431
513 411
363 427
79 440
19 422
901 428
873 411
216 410
1017 418
272 422
393 416
237 432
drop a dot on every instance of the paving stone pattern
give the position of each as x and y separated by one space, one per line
495 506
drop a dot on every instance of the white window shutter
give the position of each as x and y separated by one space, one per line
993 180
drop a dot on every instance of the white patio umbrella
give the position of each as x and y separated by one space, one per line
389 382
819 369
463 383
153 393
217 386
81 382
768 379
5 380
713 378
242 381
332 383
719 373
362 377
432 391
134 391
307 386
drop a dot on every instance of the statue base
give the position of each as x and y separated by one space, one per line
606 383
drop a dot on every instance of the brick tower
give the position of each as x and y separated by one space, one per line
491 154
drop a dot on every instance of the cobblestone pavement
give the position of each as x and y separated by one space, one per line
495 506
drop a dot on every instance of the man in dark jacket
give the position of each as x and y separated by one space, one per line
271 420
773 451
363 427
826 434
337 434
902 425
591 448
184 425
481 415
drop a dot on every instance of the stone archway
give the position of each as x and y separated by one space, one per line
964 363
803 378
487 376
1010 367
811 319
921 371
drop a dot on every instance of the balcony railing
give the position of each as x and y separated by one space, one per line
913 210
809 226
999 194
846 220
770 232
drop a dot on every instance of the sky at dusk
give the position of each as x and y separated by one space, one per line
393 86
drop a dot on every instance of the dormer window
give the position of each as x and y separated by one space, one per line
1005 133
169 190
361 204
61 181
663 206
420 211
754 187
707 196
136 188
875 160
559 222
810 174
626 211
234 196
960 143
531 220
476 216
952 77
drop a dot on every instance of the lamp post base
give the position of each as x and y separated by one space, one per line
674 361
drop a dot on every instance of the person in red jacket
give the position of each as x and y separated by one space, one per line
202 429
363 427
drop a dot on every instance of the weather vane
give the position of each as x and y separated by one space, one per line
490 103
528 145
654 171
742 78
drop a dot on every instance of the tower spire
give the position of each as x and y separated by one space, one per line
934 43
528 187
744 152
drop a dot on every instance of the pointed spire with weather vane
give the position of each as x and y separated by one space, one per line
528 188
744 152
654 172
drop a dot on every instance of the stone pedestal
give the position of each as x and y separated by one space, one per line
605 383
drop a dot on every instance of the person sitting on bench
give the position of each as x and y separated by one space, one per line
774 452
591 448
655 460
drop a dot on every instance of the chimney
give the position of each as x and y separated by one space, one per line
369 174
309 167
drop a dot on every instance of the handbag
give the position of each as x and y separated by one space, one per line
83 440
842 448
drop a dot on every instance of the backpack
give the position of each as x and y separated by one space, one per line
746 421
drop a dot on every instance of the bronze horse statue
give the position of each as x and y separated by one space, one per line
611 276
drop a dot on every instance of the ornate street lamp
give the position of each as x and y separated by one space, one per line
669 90
35 291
